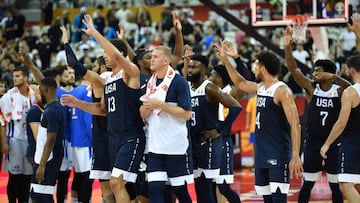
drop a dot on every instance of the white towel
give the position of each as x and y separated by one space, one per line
158 92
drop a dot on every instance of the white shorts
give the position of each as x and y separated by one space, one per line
82 159
67 162
16 159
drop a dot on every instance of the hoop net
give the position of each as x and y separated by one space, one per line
299 25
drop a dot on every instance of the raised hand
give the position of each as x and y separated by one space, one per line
230 49
176 21
188 52
24 58
287 36
355 27
121 33
65 35
221 51
88 22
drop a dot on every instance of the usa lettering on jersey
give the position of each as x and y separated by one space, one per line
260 102
195 102
324 102
110 88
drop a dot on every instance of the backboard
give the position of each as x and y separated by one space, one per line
321 12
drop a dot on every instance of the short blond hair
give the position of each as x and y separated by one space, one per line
166 50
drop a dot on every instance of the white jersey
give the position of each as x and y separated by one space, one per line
14 108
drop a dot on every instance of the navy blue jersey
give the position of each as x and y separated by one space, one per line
122 105
33 116
68 115
204 115
272 139
323 111
143 81
99 127
352 129
53 120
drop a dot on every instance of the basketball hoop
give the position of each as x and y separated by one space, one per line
299 25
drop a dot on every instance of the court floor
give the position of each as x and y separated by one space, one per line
244 185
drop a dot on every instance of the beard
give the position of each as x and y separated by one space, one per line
43 99
258 78
62 84
194 77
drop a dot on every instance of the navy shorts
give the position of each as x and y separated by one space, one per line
313 160
207 157
101 167
177 169
268 180
349 163
126 152
41 191
227 162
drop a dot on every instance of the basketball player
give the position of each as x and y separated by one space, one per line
277 140
167 100
205 128
67 81
14 106
221 78
49 149
121 104
323 97
347 125
100 168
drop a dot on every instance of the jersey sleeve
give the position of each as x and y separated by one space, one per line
33 116
183 93
53 119
5 110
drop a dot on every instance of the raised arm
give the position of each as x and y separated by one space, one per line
179 41
79 68
231 50
187 56
121 36
355 27
284 97
291 65
25 59
236 78
130 68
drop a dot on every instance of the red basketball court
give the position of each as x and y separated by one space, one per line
244 185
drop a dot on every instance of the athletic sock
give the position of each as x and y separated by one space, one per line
156 192
229 193
204 189
182 193
304 195
336 193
